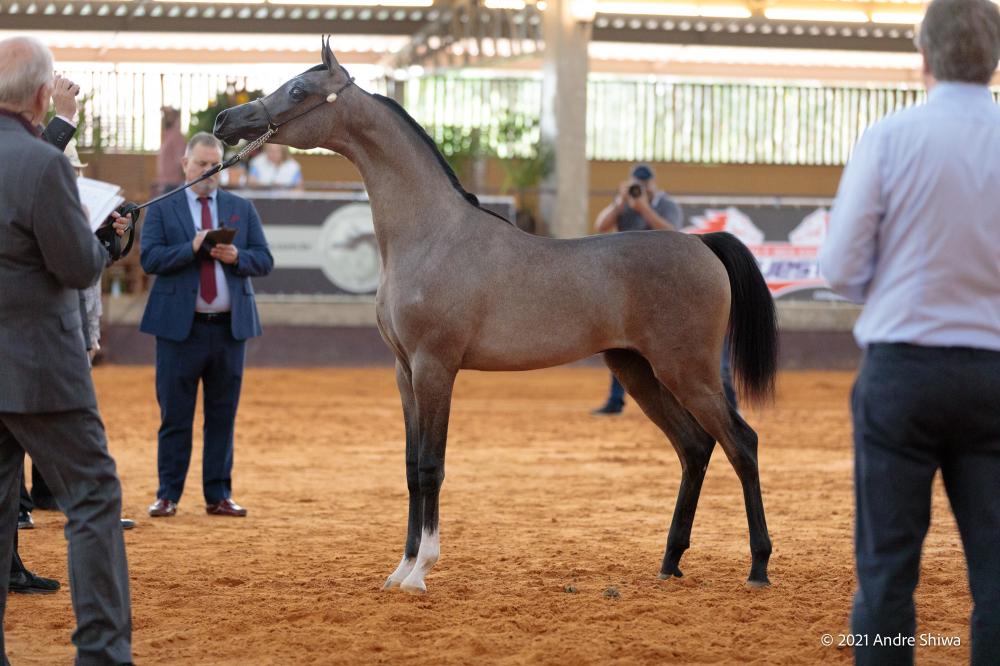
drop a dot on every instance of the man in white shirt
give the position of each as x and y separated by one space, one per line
274 168
915 235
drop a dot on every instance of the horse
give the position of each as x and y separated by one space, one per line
463 288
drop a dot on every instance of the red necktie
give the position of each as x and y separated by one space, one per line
208 287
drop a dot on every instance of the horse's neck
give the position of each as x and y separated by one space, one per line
412 197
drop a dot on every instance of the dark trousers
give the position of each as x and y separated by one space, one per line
40 496
917 410
211 356
71 449
16 565
24 498
617 394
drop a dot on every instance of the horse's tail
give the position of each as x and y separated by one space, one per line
753 323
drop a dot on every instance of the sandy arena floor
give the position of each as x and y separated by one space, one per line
539 496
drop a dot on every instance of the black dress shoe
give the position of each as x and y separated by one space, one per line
25 521
127 523
25 582
610 408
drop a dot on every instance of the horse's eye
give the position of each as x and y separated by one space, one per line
298 94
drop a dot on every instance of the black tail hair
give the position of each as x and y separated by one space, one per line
753 322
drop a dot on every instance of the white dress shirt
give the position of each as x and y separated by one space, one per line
915 228
221 302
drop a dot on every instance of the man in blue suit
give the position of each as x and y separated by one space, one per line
201 310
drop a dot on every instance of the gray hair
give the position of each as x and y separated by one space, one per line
25 66
204 139
961 39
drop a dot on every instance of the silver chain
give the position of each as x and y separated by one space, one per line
255 144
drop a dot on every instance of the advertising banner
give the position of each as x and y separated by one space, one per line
324 242
785 236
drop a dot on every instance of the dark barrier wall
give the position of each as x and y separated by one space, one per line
324 242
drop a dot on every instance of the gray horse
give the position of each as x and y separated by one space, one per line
462 288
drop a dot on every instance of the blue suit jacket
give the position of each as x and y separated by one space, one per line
165 251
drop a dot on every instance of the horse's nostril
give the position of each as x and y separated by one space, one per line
220 122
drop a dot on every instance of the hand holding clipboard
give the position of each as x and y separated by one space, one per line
216 237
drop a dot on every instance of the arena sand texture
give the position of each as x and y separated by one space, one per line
539 496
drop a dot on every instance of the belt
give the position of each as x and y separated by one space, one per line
213 317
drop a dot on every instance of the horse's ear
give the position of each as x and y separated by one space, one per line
328 58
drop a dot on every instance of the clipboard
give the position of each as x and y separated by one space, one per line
99 199
221 236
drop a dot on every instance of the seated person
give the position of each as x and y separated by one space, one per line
275 169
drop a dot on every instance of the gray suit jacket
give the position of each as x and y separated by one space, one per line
47 254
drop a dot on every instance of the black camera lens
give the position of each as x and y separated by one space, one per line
635 191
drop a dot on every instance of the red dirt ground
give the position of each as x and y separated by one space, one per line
539 496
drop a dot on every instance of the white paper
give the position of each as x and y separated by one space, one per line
99 199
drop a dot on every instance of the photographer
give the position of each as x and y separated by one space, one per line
640 206
49 409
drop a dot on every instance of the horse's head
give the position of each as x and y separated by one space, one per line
303 108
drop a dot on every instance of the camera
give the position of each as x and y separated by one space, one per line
635 190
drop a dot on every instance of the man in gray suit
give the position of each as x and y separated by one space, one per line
47 402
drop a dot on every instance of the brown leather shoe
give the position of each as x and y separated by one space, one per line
162 508
226 507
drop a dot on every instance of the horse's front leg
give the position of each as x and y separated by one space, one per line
404 380
432 388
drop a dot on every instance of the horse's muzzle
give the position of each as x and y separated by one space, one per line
240 122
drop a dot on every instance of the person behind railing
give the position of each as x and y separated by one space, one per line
275 169
172 143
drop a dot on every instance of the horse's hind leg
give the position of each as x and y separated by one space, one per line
693 445
405 383
699 391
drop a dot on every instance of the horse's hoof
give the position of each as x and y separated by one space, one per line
413 588
758 584
390 584
667 575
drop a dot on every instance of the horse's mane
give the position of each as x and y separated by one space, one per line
422 133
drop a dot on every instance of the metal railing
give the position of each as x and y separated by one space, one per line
647 120
121 107
727 123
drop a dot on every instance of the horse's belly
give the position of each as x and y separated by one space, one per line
528 352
